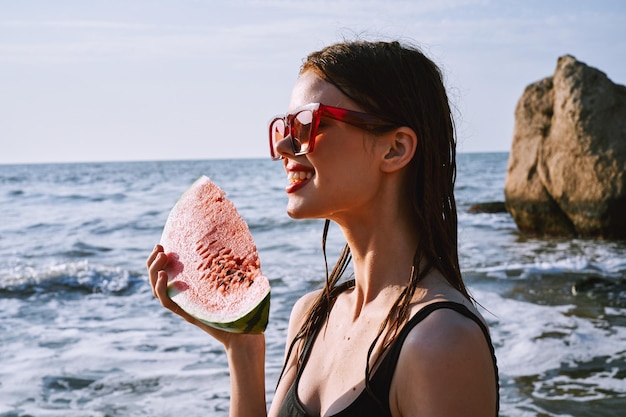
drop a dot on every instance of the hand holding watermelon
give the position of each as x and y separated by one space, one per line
156 263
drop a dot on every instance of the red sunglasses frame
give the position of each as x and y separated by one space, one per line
358 119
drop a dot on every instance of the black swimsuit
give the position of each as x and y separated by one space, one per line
365 405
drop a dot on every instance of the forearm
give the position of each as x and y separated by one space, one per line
246 363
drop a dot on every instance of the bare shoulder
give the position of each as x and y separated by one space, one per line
301 308
445 369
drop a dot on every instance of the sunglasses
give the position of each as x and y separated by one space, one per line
301 126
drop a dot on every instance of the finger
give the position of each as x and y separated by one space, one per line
159 262
155 252
155 269
160 291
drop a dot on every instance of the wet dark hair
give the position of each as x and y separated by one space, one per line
398 82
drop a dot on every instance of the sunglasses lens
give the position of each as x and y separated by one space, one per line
302 125
277 133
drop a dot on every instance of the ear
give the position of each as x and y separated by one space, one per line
400 146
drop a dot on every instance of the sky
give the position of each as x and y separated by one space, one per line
133 80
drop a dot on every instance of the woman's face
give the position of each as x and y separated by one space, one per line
340 177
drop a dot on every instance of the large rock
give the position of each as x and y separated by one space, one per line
566 173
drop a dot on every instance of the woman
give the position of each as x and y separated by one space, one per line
369 144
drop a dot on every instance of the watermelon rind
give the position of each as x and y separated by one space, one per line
253 322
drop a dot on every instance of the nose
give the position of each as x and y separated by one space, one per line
284 147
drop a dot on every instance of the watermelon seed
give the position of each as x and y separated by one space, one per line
202 250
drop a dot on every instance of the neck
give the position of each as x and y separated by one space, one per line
383 254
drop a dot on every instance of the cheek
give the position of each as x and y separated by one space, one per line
342 156
349 178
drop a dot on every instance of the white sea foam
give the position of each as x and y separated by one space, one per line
548 343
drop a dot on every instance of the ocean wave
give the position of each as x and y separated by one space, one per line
591 285
79 277
576 264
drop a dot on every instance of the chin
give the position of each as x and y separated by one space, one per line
299 212
295 214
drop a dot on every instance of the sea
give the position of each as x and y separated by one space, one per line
82 335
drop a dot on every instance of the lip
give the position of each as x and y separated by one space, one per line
296 167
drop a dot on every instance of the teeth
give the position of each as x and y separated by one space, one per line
299 176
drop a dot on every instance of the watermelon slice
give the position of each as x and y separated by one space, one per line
213 267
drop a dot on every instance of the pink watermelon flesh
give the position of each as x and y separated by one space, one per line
214 272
